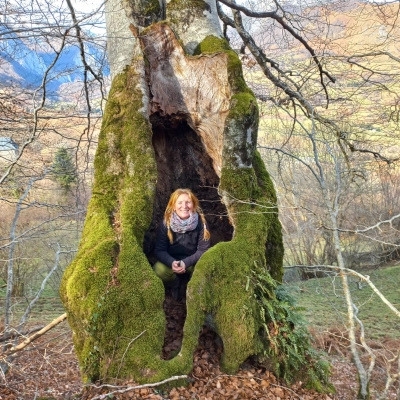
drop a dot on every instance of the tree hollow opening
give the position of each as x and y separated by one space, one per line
183 162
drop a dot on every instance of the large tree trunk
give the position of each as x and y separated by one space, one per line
176 117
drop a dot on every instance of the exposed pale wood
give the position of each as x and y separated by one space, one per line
187 87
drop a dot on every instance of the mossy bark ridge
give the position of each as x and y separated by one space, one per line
110 290
173 120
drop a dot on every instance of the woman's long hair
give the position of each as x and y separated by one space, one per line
196 207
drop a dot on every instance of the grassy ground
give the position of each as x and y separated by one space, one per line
46 308
324 304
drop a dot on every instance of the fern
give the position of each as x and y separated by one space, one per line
288 342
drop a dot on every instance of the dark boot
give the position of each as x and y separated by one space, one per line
184 280
176 289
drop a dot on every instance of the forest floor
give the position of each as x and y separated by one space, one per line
49 370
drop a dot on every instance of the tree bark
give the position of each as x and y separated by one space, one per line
179 114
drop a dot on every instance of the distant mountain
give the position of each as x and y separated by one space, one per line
24 63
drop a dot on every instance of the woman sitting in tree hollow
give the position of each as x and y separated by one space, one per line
181 240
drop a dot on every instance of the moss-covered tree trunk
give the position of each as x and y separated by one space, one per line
179 114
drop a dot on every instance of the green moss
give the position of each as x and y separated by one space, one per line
151 8
243 105
212 44
263 178
274 243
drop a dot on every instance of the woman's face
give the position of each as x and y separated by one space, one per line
183 206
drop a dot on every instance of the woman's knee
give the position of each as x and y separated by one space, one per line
163 272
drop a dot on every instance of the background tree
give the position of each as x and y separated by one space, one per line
43 94
63 169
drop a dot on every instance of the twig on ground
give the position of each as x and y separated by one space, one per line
30 339
13 334
147 385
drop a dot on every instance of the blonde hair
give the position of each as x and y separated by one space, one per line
196 206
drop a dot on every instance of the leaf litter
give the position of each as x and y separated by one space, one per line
49 370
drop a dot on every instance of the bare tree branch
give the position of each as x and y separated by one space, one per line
32 338
130 388
274 15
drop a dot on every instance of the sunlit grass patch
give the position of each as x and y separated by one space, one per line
324 304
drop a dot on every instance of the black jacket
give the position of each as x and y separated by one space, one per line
187 247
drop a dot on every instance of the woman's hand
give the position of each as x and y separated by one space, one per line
178 267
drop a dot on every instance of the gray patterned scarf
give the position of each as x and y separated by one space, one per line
183 225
